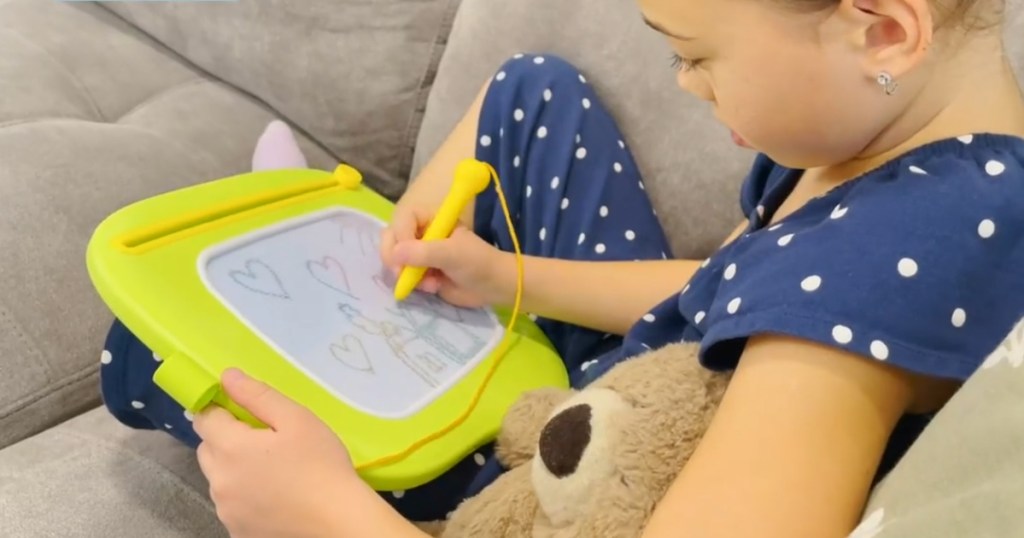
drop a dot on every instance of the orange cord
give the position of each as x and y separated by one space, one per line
500 351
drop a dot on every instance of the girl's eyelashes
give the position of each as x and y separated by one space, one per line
683 64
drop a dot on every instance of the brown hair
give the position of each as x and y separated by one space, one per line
966 14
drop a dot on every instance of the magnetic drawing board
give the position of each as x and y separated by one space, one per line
278 273
315 289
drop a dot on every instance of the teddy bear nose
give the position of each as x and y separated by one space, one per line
563 440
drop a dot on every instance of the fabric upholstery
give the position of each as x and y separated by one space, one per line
687 159
94 115
965 475
688 162
91 477
354 75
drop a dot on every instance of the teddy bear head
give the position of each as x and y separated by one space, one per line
607 454
594 462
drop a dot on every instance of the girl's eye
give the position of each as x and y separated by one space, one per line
683 64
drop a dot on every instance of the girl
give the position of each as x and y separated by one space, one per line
872 272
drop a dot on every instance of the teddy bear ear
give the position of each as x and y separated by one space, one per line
520 431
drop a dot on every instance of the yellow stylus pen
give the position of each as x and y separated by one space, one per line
471 178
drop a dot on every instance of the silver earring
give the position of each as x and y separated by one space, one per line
886 81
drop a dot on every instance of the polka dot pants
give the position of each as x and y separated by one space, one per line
574 192
573 188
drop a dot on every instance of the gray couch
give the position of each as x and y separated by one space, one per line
104 104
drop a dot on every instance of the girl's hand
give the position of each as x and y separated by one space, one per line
292 479
408 222
467 271
410 219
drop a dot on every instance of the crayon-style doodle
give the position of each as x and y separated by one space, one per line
352 353
259 278
329 272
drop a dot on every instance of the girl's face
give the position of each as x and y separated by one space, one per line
792 84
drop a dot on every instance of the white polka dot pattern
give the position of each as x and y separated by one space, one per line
870 265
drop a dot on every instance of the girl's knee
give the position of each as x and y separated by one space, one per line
529 96
546 73
126 376
551 66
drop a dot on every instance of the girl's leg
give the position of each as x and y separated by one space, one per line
126 378
573 188
128 391
574 193
130 394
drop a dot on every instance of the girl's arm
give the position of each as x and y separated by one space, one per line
604 296
374 518
608 297
794 447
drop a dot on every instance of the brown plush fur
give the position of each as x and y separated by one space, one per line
594 463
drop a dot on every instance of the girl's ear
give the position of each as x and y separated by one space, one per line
893 36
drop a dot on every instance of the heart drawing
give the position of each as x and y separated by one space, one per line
352 353
258 277
330 273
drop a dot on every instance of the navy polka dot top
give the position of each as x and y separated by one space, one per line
919 263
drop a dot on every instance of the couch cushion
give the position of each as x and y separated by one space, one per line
355 75
1013 31
689 164
94 115
93 477
965 475
687 159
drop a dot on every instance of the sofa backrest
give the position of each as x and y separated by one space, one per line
965 474
352 75
687 159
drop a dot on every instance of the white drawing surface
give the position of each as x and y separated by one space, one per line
315 290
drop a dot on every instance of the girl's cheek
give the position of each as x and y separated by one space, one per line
696 84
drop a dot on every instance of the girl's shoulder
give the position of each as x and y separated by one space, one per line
985 162
949 178
917 262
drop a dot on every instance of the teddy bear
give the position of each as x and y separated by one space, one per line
594 462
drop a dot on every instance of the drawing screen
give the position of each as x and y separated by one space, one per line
316 291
